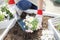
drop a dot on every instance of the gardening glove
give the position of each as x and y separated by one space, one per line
39 16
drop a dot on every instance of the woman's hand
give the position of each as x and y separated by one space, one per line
40 4
40 7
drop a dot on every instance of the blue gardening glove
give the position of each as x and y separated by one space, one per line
24 4
21 24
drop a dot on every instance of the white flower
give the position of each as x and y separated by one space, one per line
5 14
26 23
38 26
29 18
30 26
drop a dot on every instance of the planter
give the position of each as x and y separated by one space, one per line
6 25
5 17
13 21
51 26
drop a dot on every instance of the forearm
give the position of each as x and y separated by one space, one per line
40 4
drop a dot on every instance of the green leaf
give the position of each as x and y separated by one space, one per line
1 17
58 26
34 23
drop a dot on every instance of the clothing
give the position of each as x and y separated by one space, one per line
25 4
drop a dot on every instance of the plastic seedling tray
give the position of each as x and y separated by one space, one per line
51 26
6 22
6 25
